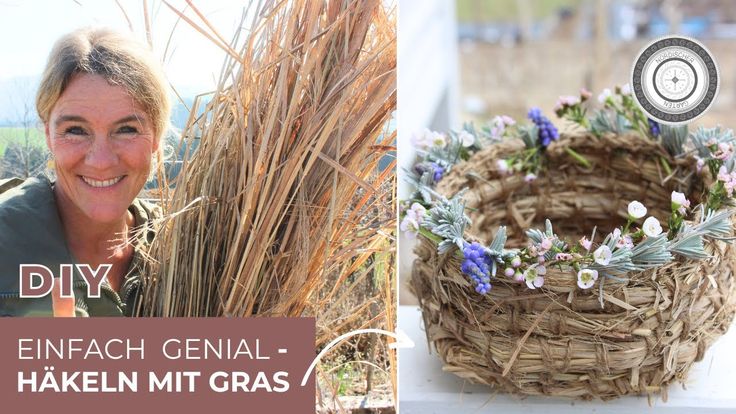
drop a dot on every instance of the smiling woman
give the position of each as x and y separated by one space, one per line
104 105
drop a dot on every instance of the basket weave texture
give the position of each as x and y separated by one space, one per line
557 340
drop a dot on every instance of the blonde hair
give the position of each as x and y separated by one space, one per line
119 58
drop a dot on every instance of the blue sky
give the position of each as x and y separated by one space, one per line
28 29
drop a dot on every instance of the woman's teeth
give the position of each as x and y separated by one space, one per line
102 184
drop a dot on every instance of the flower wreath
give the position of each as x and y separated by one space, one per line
632 247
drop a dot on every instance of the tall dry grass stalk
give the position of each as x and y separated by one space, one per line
284 192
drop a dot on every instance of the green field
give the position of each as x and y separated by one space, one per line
17 134
473 11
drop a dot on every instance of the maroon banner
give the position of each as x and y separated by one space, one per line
142 365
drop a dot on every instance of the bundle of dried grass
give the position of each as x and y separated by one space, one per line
558 340
268 206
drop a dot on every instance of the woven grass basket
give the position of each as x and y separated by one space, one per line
557 340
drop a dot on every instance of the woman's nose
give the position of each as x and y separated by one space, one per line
101 154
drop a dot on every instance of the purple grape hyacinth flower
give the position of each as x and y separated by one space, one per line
477 265
653 127
547 131
439 171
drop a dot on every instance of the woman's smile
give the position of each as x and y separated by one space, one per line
102 183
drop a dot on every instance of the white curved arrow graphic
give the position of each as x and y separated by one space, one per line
402 341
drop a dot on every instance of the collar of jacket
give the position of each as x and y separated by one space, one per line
32 233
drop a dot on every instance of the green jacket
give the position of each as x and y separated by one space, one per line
31 233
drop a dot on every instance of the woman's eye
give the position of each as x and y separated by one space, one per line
75 130
127 129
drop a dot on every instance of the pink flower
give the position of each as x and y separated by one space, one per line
530 177
587 244
545 245
585 94
516 261
413 219
625 241
499 124
509 272
503 167
566 101
728 179
724 152
700 164
563 257
519 277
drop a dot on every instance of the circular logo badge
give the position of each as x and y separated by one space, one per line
675 80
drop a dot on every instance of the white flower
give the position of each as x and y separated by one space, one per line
466 138
651 227
680 202
422 139
410 226
602 255
502 166
533 276
438 140
586 278
679 198
530 177
626 89
637 210
604 95
616 233
416 212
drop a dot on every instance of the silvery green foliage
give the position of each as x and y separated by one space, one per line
537 236
447 219
422 185
688 243
673 138
713 225
606 121
499 240
529 134
495 250
620 262
702 136
651 252
483 136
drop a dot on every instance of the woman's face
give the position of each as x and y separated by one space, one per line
102 142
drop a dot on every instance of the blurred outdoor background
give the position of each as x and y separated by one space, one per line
469 60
